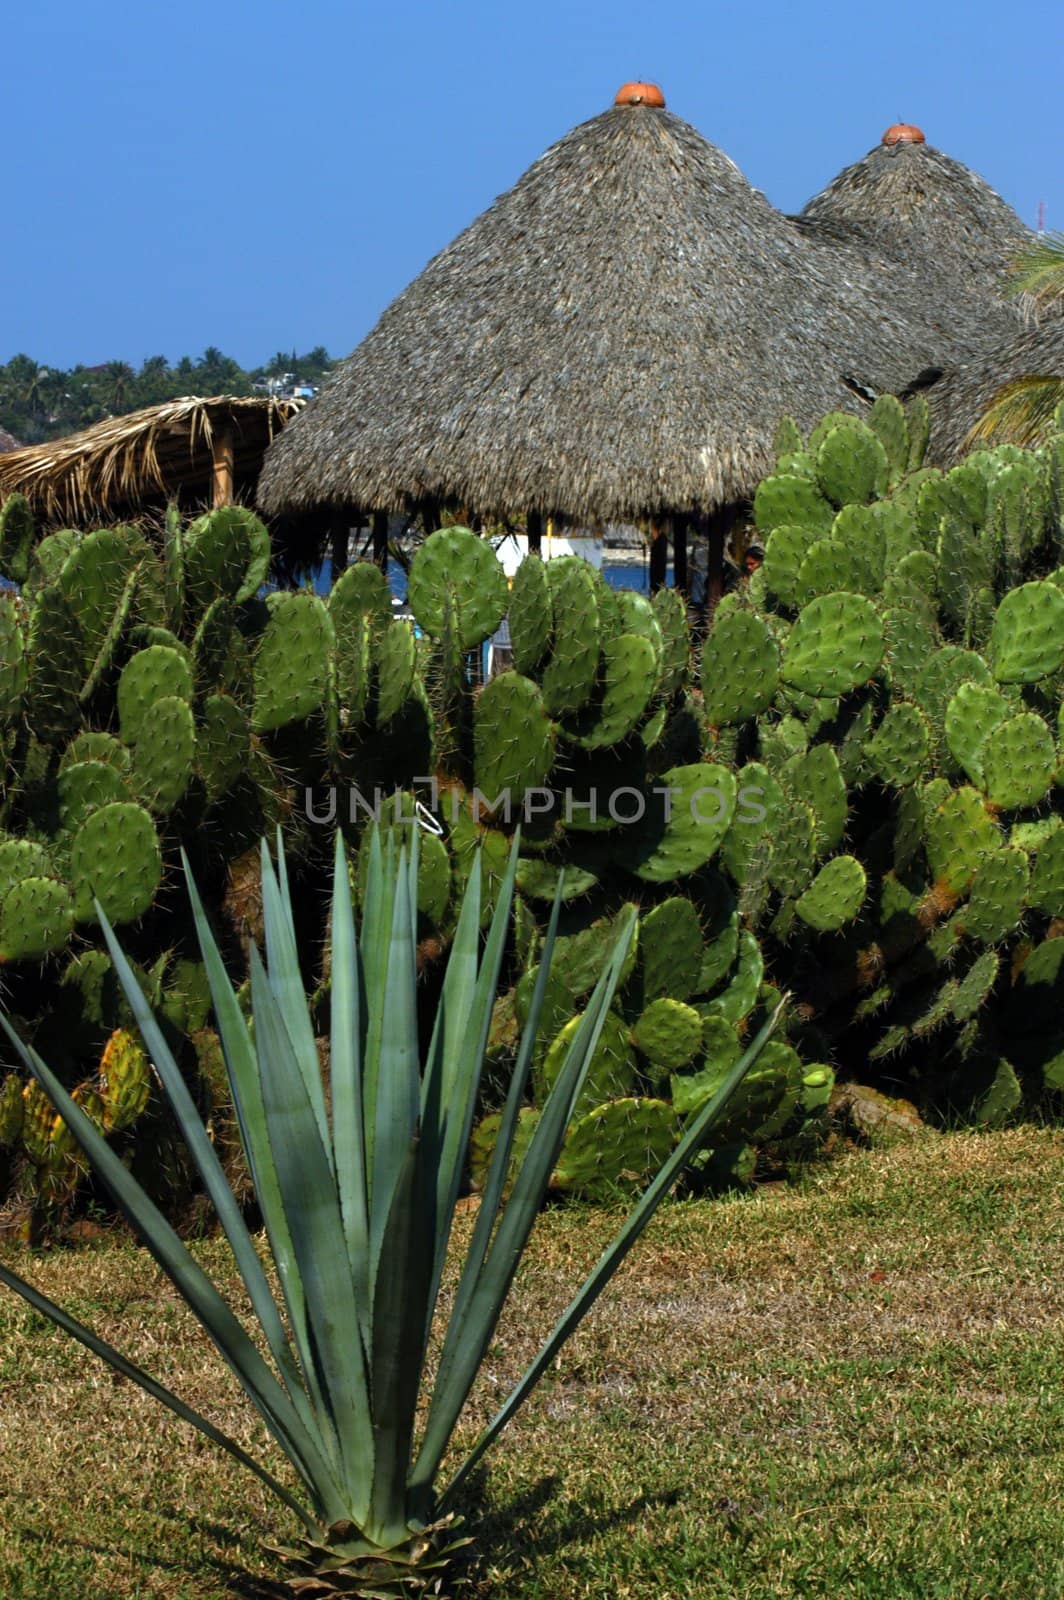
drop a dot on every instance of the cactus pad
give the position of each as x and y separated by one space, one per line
395 661
150 676
455 561
125 1080
16 538
794 849
972 714
960 836
485 1137
835 895
816 778
671 949
669 1034
538 879
682 830
833 564
221 744
887 421
611 1071
90 746
619 1144
629 678
36 919
901 747
997 896
93 579
1027 638
851 464
721 1049
85 786
227 554
11 1110
12 660
1018 759
165 755
55 655
785 551
671 613
740 668
513 738
291 662
570 674
836 644
115 857
1047 876
531 614
787 500
739 998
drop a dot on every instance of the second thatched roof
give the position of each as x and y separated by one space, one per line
936 224
617 336
118 466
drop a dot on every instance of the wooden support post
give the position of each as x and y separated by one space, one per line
679 554
380 539
534 526
717 526
222 466
339 538
659 556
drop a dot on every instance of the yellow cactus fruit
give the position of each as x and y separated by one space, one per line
125 1080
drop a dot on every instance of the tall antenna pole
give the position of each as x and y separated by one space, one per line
1041 216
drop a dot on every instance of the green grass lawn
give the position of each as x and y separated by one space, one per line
847 1389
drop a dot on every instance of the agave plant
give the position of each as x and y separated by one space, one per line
358 1183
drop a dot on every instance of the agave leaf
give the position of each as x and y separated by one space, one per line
345 1065
472 1325
243 1070
129 1369
398 1097
374 943
228 1335
312 1206
399 1300
210 1169
456 1054
611 1258
286 981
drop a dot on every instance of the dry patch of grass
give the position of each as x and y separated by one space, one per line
850 1388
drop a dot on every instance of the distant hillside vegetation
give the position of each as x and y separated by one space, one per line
39 403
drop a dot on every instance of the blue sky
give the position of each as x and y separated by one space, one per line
263 176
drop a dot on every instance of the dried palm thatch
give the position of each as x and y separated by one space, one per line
7 441
124 463
962 400
938 227
616 337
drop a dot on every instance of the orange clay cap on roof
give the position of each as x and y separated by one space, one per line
904 133
639 94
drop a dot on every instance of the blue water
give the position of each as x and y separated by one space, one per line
618 577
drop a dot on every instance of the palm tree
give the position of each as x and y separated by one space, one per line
1026 409
119 377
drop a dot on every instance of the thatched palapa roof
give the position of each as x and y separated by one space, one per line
1036 351
124 463
935 224
617 336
